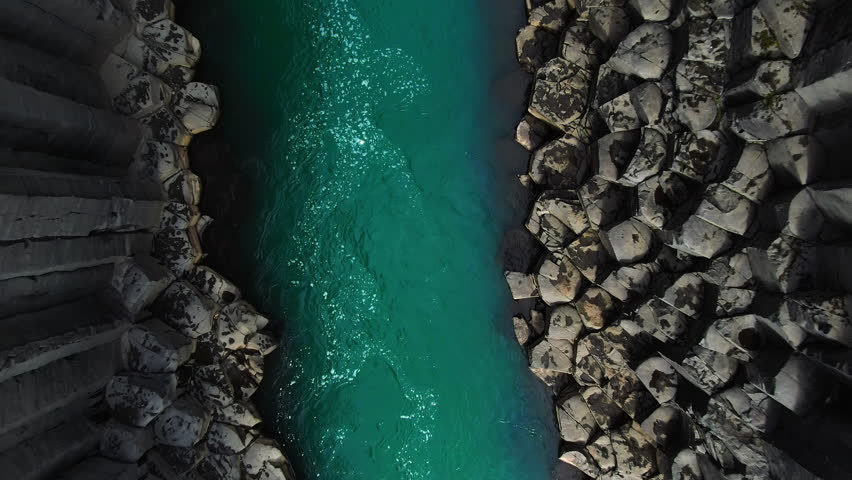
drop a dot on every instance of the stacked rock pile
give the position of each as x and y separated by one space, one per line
693 305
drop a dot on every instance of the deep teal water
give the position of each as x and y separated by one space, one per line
365 137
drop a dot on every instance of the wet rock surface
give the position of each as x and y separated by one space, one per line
691 302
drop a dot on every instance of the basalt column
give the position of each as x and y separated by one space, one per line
121 356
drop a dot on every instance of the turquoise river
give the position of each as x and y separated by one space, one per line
361 185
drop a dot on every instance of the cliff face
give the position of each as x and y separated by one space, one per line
689 164
120 355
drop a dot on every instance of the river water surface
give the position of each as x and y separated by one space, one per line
363 212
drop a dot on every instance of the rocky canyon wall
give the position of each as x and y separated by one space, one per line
690 175
121 355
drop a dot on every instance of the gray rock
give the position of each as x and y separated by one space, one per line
613 152
798 160
183 308
823 314
576 422
552 16
663 426
560 93
785 266
628 283
767 78
790 23
686 294
522 285
124 443
535 46
645 52
557 218
662 321
771 118
154 347
708 370
183 424
522 329
136 399
531 132
693 76
211 386
698 238
227 439
580 47
597 308
659 377
562 163
737 337
175 462
753 38
797 385
263 460
698 112
602 453
752 177
710 8
605 412
658 196
611 84
261 343
734 301
239 414
537 322
726 209
605 202
609 24
627 391
686 466
733 271
220 467
550 355
634 453
178 249
138 282
629 241
701 156
554 380
565 323
620 114
709 40
650 158
214 285
653 10
578 460
589 256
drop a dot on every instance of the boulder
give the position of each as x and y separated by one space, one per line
596 308
798 160
629 241
645 52
263 460
551 16
522 329
620 114
634 453
753 38
752 177
560 93
697 111
551 355
537 322
710 8
663 426
770 77
178 249
213 285
708 370
175 462
627 391
611 84
701 156
261 343
557 217
588 255
154 347
182 307
785 266
137 398
628 283
565 323
138 282
653 10
659 196
734 301
522 285
650 158
662 321
602 453
605 202
686 294
227 439
579 461
183 424
531 132
605 412
558 279
709 40
797 385
613 152
535 46
659 377
124 443
562 163
822 314
555 381
698 238
575 420
220 467
686 466
211 386
773 117
609 24
239 414
790 23
726 209
580 47
697 77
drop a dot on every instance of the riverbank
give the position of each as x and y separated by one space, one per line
691 310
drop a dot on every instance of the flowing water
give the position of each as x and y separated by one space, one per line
366 211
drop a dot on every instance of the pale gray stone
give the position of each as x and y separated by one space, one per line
798 160
240 414
548 355
125 443
629 241
650 158
522 285
686 294
662 321
557 217
709 40
645 52
261 343
698 238
183 308
659 377
620 114
602 453
663 426
701 156
693 76
752 177
605 412
580 47
565 323
561 163
597 308
609 24
552 16
823 314
604 201
138 282
227 439
183 424
797 385
613 152
726 209
653 10
698 112
790 22
658 196
576 423
767 78
154 347
211 386
734 301
535 46
785 266
589 256
580 461
560 93
263 460
772 117
136 399
753 38
635 454
531 132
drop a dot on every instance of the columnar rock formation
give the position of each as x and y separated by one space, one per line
121 357
692 309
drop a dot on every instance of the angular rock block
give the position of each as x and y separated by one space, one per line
559 281
521 329
576 423
651 157
686 294
799 160
183 424
535 46
709 40
605 202
183 308
211 386
629 241
727 210
154 347
653 10
241 414
562 163
580 47
587 254
522 285
659 377
644 52
752 177
263 460
770 77
227 439
261 343
613 152
772 117
531 132
698 238
557 218
158 161
790 23
213 285
609 24
659 196
564 323
662 321
162 45
785 266
552 16
197 107
597 308
137 399
125 443
553 355
560 93
183 187
138 282
701 156
639 107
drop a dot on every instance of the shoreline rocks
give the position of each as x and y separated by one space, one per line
684 207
